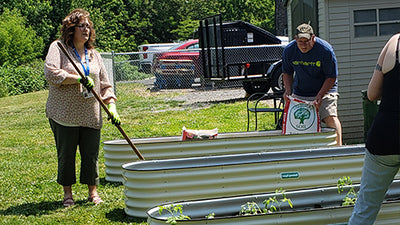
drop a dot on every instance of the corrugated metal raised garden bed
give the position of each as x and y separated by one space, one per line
118 152
154 182
310 206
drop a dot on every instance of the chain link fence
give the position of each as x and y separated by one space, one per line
232 54
173 69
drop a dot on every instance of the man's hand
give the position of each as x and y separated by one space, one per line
286 95
287 82
88 83
115 119
318 100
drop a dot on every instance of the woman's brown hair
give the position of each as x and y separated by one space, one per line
69 24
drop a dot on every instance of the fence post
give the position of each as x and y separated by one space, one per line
108 60
113 72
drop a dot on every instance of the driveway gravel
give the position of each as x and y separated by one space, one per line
193 96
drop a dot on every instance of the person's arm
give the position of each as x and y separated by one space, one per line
330 72
288 84
288 70
385 63
326 86
54 73
375 85
71 79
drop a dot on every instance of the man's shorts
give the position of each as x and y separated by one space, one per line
328 104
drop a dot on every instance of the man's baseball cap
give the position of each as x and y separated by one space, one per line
305 30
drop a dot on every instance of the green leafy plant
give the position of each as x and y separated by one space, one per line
19 43
210 216
127 70
351 196
15 80
251 208
273 204
176 213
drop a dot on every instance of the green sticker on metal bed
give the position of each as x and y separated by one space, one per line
290 175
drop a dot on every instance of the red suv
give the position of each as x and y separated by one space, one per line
179 66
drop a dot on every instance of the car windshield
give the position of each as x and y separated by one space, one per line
184 45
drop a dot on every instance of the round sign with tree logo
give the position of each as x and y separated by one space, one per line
301 117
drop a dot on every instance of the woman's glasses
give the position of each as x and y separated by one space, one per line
83 26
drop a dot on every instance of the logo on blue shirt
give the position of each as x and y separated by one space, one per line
303 63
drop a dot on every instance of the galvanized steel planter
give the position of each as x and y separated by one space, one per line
311 206
118 152
151 183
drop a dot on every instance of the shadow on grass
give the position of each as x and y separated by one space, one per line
34 209
103 182
119 215
44 208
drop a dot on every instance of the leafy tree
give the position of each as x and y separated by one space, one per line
257 12
37 15
165 20
140 24
59 10
122 25
190 13
18 42
111 20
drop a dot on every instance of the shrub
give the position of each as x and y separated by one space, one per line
19 44
16 80
125 71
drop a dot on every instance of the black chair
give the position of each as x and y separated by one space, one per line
253 106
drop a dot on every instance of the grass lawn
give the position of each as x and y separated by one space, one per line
29 193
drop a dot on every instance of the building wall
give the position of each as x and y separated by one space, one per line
322 20
356 59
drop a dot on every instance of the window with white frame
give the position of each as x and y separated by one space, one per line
376 22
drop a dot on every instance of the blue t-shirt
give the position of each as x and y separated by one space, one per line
310 69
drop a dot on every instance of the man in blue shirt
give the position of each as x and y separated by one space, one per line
310 73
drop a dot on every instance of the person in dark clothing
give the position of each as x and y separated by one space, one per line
382 156
309 71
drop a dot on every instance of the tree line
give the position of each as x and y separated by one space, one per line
27 27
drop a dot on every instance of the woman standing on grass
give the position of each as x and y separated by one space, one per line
74 114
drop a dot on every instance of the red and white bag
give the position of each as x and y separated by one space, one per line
300 116
198 134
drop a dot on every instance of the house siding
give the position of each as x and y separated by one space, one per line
322 21
356 60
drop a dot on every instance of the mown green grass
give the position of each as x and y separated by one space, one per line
29 193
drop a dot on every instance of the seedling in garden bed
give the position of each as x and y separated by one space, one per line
351 196
210 216
251 208
176 213
274 203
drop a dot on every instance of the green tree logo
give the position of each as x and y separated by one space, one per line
302 114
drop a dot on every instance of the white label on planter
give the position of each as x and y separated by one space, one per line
290 175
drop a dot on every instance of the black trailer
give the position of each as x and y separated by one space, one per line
241 51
